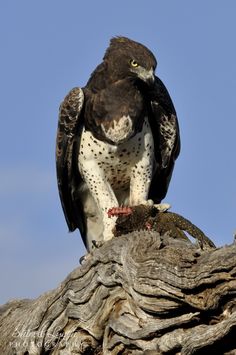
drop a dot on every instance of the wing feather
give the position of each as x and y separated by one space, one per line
68 177
165 128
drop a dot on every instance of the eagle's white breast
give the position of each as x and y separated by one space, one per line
115 162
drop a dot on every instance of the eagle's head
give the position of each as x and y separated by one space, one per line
126 58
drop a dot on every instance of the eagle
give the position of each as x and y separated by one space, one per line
117 141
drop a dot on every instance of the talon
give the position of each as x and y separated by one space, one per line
162 207
97 244
149 202
116 211
84 258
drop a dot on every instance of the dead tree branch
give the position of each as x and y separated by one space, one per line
140 293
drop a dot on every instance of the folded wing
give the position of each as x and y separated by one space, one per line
68 176
165 129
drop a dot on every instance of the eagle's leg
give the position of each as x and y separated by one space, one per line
103 195
140 182
139 187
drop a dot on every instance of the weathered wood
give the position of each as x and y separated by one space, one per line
140 293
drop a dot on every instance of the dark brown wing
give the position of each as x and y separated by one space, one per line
165 129
68 177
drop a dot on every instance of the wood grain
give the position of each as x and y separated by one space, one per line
140 293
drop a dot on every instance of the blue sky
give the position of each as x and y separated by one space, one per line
48 47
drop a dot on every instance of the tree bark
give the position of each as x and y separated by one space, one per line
140 293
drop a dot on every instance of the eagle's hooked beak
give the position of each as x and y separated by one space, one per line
146 75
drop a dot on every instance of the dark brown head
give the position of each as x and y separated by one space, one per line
126 58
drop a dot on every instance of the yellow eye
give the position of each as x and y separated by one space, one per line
133 63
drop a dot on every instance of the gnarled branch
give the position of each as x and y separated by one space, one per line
140 293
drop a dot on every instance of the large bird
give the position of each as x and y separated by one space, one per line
117 141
